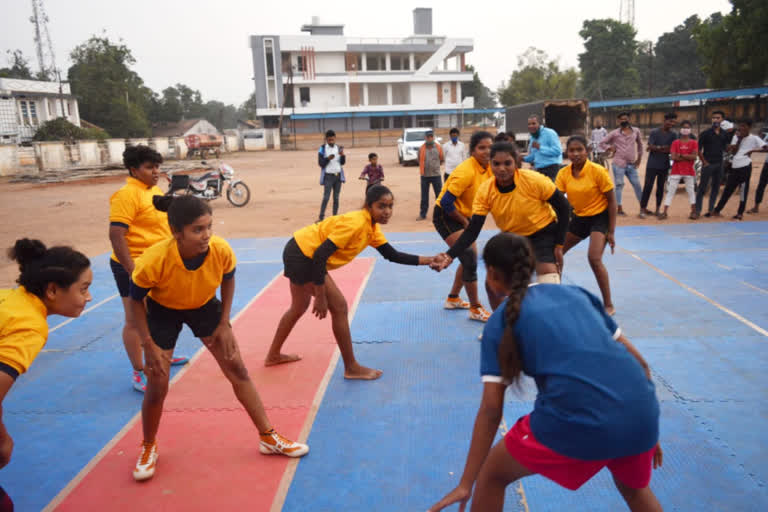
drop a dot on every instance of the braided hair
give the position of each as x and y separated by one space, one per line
511 256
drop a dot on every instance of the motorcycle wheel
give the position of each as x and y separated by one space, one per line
238 194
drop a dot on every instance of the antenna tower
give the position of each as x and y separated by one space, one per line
43 43
627 11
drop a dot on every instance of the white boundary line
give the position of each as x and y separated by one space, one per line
699 294
62 495
754 287
519 488
88 310
290 471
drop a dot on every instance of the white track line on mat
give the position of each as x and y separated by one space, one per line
290 471
699 294
88 310
59 498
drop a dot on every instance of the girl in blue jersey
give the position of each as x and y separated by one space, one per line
596 406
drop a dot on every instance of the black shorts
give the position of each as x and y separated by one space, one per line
165 323
122 278
444 224
298 268
543 243
582 227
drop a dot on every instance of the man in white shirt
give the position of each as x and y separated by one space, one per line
331 158
742 146
454 152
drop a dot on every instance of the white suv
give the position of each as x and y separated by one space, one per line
408 145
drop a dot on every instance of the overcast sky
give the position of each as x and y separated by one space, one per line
205 44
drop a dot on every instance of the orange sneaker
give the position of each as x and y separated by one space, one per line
479 313
145 466
455 303
272 443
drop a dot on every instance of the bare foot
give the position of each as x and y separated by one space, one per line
281 359
610 310
359 372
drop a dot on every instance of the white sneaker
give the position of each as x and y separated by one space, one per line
455 303
145 466
479 313
272 443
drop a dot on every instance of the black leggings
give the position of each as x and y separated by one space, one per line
761 184
660 176
735 178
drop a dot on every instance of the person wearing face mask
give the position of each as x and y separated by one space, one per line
683 154
430 158
626 148
712 144
657 168
455 152
545 153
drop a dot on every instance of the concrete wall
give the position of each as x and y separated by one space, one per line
50 155
160 145
423 93
89 152
8 159
231 143
138 142
115 148
324 95
180 148
329 63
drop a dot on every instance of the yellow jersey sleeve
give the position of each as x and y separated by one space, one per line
228 257
561 180
19 349
378 237
482 202
462 178
345 230
123 206
544 186
603 179
148 269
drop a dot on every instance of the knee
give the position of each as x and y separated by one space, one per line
595 261
339 308
469 266
298 308
156 391
236 371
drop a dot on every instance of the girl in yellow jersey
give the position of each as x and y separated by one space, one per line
134 226
328 245
179 278
522 202
453 208
590 191
53 281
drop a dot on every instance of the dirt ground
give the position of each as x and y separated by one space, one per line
285 196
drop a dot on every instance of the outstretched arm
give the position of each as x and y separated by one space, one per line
403 258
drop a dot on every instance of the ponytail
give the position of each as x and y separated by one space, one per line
511 256
40 266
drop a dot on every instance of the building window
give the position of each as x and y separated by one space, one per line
379 123
304 96
375 62
28 110
269 57
301 63
401 122
66 109
425 121
400 62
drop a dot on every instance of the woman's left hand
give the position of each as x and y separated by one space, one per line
610 240
459 494
658 456
559 262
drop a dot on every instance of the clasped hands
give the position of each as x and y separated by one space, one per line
440 262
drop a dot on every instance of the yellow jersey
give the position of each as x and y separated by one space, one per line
521 209
23 328
132 207
587 192
351 233
161 270
463 183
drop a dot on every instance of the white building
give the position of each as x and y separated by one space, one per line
26 104
325 80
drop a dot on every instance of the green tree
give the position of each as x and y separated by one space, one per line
538 78
248 110
61 129
191 102
19 66
484 97
108 92
733 48
222 116
608 68
677 66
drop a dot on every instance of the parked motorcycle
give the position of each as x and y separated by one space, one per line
210 185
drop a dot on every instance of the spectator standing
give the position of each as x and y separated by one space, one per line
544 150
331 159
761 184
455 152
373 173
626 147
657 167
712 144
683 152
430 158
597 136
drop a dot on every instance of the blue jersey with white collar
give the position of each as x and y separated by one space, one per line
594 401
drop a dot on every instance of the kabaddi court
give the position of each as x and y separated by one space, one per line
693 298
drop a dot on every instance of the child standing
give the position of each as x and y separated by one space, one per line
589 189
134 226
683 152
53 281
179 278
596 405
373 172
318 248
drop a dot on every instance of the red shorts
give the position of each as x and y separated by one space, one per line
633 471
